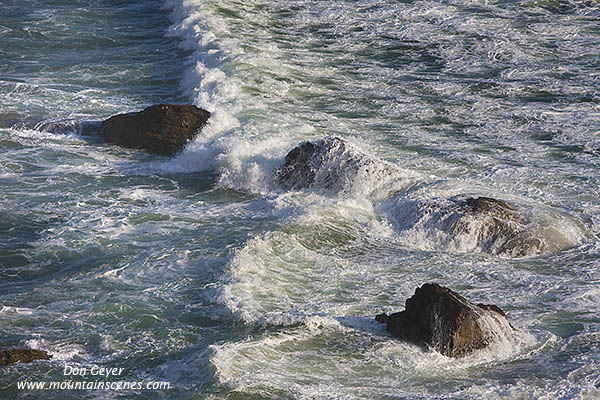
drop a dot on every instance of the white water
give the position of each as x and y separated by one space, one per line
347 248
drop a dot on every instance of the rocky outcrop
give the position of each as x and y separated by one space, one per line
465 224
300 167
22 356
445 321
162 129
328 163
492 223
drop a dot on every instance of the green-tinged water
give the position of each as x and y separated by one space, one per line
85 59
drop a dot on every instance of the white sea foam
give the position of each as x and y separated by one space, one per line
246 155
366 363
9 310
274 276
60 351
439 224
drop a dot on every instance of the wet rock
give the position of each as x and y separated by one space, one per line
492 223
500 211
492 307
83 128
465 224
162 129
300 167
445 321
22 356
329 163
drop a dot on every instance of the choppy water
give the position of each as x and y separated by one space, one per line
202 271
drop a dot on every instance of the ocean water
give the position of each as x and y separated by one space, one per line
203 271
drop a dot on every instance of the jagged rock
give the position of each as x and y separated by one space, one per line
329 163
22 356
299 169
445 321
162 129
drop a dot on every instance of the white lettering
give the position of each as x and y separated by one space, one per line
101 371
70 370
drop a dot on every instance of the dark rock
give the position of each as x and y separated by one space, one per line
381 318
500 212
329 163
491 222
300 167
162 129
489 204
492 307
22 356
445 321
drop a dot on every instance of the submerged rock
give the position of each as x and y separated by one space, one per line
499 211
445 321
22 356
162 129
466 224
83 128
459 224
329 163
490 222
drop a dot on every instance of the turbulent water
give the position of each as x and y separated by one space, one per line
206 272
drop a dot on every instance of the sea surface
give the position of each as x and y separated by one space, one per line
203 271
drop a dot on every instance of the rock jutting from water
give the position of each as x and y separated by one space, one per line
328 163
299 169
445 321
161 129
22 356
494 224
463 223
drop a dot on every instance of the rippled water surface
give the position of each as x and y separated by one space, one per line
204 271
